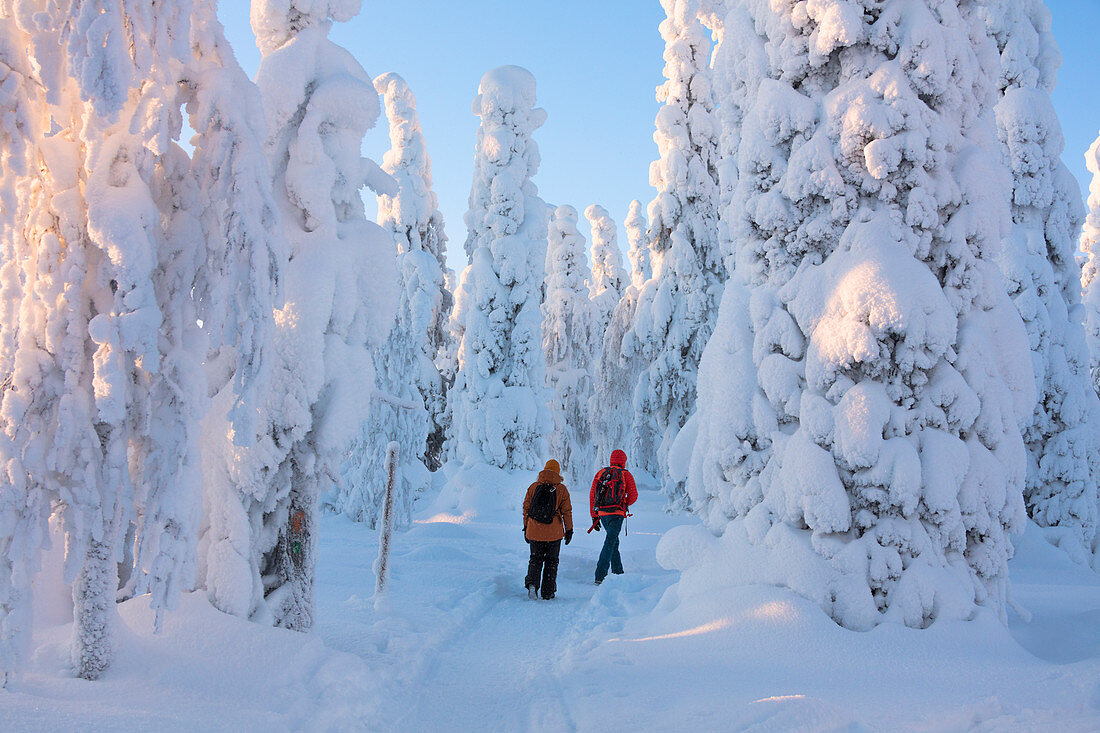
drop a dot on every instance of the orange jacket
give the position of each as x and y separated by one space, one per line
618 458
563 518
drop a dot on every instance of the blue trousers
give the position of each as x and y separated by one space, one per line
609 555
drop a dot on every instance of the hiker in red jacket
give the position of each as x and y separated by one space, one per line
613 491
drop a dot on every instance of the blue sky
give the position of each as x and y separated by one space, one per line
597 64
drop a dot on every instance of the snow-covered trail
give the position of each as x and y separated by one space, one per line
467 649
457 646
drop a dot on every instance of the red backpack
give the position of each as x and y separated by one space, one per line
611 490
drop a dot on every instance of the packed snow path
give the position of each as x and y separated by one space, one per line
473 649
457 646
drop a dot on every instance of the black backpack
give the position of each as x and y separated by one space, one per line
544 504
611 490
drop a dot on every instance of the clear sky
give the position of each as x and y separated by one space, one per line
597 64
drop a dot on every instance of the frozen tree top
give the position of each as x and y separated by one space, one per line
505 89
277 21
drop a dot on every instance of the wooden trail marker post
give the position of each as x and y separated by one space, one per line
382 565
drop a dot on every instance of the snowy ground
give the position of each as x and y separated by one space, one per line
458 646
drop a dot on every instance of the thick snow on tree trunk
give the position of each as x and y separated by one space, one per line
861 404
609 279
568 334
339 304
1043 277
676 308
499 403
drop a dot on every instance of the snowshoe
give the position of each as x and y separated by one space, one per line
532 593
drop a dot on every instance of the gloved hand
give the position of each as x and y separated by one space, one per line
524 530
568 536
595 524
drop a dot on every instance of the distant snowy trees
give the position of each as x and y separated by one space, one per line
616 364
676 308
498 401
1042 275
569 330
874 422
408 364
609 279
262 498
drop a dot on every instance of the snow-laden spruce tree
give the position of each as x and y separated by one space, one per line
23 506
101 414
638 253
261 499
408 365
676 308
1090 246
569 331
498 402
861 404
609 279
413 216
616 369
1043 277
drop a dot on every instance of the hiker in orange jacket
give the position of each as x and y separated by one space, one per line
547 519
613 491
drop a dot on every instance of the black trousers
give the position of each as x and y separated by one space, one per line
543 565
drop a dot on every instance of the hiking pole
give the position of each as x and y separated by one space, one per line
382 565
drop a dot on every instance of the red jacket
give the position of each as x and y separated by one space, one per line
618 458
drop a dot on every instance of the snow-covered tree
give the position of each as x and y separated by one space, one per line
339 299
616 369
414 217
861 404
676 308
24 506
638 254
609 279
408 365
568 334
1042 275
102 408
498 402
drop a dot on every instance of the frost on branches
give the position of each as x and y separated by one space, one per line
568 333
872 447
498 402
609 279
676 309
1044 279
261 499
